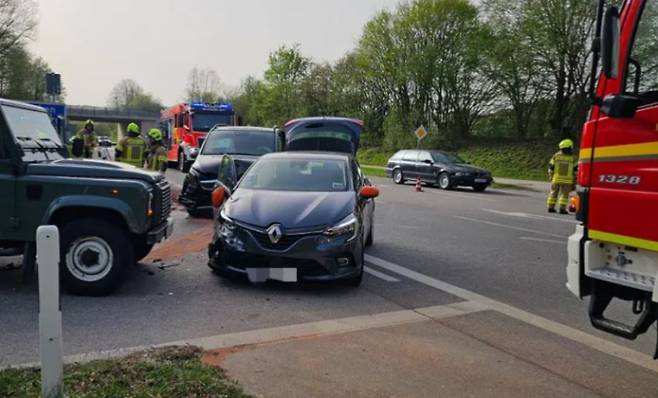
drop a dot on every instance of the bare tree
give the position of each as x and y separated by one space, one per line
128 94
204 85
124 93
17 22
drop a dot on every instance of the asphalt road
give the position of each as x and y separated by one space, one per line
500 245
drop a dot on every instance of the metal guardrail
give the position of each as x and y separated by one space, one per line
91 112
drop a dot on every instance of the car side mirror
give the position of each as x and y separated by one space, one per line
427 161
219 195
620 106
369 192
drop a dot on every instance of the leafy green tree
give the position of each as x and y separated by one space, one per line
511 61
560 35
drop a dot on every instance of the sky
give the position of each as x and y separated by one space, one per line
94 44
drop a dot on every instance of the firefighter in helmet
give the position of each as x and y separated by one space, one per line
562 171
156 159
86 141
132 149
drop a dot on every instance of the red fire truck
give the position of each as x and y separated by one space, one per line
186 125
614 252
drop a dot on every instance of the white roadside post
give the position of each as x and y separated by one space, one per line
50 315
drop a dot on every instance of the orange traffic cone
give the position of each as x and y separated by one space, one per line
419 186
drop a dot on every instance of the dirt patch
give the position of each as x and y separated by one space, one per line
192 242
217 357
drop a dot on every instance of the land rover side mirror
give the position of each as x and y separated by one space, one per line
610 43
620 106
428 161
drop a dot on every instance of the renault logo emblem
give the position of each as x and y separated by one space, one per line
275 233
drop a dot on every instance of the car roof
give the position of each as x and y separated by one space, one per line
243 128
308 155
324 119
23 105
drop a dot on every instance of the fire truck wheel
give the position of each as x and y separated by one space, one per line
183 166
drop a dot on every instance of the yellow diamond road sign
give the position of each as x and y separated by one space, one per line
421 133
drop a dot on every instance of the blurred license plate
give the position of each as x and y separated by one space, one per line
481 180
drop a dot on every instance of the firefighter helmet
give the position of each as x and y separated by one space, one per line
155 134
89 123
133 128
565 144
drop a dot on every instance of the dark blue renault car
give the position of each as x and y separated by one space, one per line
297 215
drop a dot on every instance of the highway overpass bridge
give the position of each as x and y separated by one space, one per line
145 119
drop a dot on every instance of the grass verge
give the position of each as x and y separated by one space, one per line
167 372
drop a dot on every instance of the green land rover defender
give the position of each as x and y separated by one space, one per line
109 214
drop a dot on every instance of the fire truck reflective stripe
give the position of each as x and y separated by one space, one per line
624 240
621 159
648 150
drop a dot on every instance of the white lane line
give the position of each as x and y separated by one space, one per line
530 216
559 329
287 333
559 242
380 275
495 224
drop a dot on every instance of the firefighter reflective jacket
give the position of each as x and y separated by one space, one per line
562 168
90 142
132 150
157 160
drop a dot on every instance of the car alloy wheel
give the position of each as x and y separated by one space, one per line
398 178
444 181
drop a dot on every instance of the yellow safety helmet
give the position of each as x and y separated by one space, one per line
155 134
133 128
89 122
566 144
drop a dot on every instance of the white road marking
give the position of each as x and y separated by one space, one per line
380 275
530 216
570 333
559 242
286 333
495 224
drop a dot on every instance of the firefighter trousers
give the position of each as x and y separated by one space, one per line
561 191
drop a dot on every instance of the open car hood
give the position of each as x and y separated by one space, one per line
323 134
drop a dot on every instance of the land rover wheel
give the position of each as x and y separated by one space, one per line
94 257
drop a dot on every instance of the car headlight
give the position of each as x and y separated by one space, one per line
349 226
226 226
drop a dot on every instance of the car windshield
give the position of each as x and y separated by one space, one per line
254 143
306 175
444 157
205 121
31 128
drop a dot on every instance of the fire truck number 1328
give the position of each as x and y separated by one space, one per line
617 179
